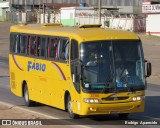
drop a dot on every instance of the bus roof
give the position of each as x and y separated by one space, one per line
79 33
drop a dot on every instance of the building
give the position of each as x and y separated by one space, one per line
129 6
151 8
4 6
69 14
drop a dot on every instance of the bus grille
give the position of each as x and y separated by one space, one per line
115 98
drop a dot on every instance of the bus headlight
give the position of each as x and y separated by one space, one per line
137 98
92 100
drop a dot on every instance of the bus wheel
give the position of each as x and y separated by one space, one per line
26 97
70 111
123 115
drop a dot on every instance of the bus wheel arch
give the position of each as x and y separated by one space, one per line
23 85
66 99
68 106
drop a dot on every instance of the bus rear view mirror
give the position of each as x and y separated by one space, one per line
73 78
149 69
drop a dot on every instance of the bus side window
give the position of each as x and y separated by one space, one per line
28 45
56 41
48 49
38 46
53 48
43 44
16 48
74 50
63 49
12 38
23 44
33 46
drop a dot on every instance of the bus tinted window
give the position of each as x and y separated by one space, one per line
12 42
43 47
38 46
63 49
53 48
33 46
23 44
16 47
74 49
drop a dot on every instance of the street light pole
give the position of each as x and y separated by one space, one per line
99 11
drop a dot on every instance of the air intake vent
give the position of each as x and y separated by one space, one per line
53 24
90 26
115 98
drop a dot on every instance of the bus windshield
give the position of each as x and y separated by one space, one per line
109 66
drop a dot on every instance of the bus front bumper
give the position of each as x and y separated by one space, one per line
112 108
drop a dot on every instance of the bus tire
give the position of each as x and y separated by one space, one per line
27 101
69 108
123 115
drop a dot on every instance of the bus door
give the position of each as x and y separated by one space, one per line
75 65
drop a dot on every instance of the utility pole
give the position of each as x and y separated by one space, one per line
11 10
26 9
99 11
39 12
43 13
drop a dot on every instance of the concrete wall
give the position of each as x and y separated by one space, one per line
68 17
3 14
115 23
4 6
81 20
122 23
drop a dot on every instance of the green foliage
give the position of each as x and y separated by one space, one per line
107 23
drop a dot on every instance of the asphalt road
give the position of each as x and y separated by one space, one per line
152 106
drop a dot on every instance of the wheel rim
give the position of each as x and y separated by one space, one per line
70 106
26 96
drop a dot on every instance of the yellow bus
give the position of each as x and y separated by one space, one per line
85 70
